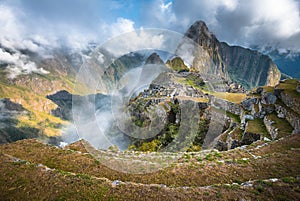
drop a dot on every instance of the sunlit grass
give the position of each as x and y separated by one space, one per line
289 87
256 126
39 108
231 97
284 127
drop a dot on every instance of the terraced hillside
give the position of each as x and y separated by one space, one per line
31 170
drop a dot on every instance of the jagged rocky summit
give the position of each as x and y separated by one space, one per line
241 65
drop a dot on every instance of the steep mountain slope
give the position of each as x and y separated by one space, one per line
30 91
244 66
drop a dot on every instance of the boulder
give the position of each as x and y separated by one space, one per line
248 103
115 183
246 117
268 98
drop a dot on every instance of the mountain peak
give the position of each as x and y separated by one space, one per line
154 58
200 23
200 33
240 65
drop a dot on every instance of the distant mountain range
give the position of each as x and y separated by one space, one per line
234 64
287 65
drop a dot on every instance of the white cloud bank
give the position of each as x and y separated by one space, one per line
12 39
263 23
38 26
18 32
18 63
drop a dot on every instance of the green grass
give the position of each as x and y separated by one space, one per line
78 177
237 133
256 126
34 100
234 117
289 86
282 124
177 64
231 97
268 89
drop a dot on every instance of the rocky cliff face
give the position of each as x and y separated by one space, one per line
244 66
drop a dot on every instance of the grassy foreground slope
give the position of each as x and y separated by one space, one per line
31 170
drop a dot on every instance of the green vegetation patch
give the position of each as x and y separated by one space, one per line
234 117
257 126
177 64
289 86
237 133
284 127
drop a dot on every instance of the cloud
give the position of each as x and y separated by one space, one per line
261 23
13 38
266 23
159 15
10 25
14 34
18 63
74 23
121 25
44 25
135 40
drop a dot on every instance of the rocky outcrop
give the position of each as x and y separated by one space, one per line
64 101
177 64
291 101
7 105
268 98
10 131
248 104
272 130
225 105
291 116
244 66
9 111
154 58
